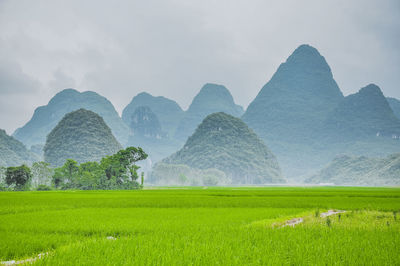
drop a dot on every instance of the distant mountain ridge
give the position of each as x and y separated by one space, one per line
13 152
360 170
81 135
300 113
45 118
306 121
168 112
364 114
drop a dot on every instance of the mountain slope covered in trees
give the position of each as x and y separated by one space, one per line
13 152
224 142
45 118
360 170
81 135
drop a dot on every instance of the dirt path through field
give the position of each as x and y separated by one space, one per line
28 260
295 221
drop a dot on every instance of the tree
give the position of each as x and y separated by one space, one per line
18 176
2 178
41 174
120 169
66 175
90 176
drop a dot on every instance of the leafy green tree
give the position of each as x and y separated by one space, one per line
120 169
18 176
90 176
2 178
66 175
41 174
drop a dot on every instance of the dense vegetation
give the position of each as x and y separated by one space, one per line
45 118
82 135
360 170
212 98
118 171
219 226
225 143
13 152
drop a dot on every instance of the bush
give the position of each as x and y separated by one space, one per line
43 188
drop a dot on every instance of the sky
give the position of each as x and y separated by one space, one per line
173 47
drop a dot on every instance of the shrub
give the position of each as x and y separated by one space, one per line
43 188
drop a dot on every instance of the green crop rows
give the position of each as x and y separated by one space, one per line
195 226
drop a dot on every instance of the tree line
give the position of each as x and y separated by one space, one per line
117 171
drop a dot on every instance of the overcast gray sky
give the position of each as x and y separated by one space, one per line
173 47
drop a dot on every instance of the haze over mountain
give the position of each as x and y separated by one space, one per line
360 170
303 117
395 105
297 99
149 135
145 123
212 98
45 118
225 142
365 114
168 112
81 135
13 152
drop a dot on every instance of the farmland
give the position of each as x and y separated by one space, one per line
202 226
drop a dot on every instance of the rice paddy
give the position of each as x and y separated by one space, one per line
197 226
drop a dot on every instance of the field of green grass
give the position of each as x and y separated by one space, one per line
196 226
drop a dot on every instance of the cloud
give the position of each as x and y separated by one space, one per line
19 93
173 47
13 80
61 80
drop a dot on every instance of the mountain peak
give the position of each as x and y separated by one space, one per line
219 142
168 111
297 99
81 135
371 89
143 94
307 57
209 95
306 49
212 87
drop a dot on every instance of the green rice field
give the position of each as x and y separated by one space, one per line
202 226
